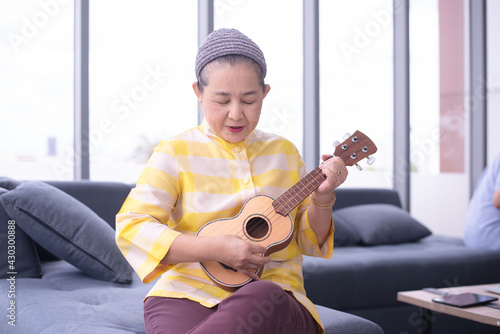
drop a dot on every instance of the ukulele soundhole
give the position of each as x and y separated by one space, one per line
257 228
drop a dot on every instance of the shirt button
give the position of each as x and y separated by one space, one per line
246 181
237 149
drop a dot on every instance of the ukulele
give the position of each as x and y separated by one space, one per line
267 222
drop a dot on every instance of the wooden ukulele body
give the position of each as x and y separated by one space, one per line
257 222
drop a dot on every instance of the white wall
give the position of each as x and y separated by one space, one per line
442 207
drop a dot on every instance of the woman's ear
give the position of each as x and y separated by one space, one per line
267 88
196 90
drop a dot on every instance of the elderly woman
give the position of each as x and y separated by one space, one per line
208 173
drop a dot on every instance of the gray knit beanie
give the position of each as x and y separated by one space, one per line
223 42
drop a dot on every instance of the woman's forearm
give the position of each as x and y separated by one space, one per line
189 248
319 215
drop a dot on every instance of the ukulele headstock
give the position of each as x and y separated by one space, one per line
355 148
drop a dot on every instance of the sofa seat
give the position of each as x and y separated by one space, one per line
65 300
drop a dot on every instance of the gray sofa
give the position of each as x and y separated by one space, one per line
80 285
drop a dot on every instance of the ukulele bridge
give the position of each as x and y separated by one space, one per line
228 267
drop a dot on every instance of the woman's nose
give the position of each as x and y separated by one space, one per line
235 111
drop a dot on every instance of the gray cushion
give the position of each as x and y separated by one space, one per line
8 183
379 224
345 234
17 248
68 229
104 198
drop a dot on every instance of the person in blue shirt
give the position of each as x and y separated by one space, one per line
482 225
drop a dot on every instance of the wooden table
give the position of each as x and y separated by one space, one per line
423 299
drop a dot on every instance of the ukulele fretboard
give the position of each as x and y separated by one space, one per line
296 194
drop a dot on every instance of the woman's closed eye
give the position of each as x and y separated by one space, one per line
223 103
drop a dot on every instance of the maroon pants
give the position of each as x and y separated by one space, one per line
258 307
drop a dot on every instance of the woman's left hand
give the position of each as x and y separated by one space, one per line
336 173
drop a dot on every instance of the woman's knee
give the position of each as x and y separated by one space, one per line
265 296
263 289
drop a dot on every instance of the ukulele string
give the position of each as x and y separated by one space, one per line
267 212
296 193
271 215
316 175
270 212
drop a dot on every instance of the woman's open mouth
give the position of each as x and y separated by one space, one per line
235 128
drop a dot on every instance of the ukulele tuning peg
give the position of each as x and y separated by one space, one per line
336 143
346 135
359 167
370 160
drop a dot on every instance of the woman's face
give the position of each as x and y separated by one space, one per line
232 100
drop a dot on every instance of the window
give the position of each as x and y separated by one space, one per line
36 84
142 56
356 81
438 118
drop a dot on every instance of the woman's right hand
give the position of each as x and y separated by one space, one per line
244 256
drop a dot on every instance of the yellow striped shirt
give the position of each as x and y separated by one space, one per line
197 177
